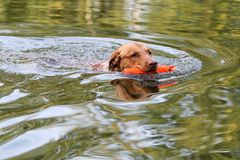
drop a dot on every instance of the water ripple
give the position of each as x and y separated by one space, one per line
44 56
15 95
32 140
50 112
132 105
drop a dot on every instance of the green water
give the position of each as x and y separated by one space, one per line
54 106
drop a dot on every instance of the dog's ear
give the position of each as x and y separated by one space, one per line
114 62
114 82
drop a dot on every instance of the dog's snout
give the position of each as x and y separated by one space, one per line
153 64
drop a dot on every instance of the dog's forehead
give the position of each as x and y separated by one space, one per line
131 47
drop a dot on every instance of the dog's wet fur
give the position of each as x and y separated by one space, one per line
132 55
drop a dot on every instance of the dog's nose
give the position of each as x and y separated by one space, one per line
153 64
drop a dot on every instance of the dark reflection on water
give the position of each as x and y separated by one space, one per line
54 106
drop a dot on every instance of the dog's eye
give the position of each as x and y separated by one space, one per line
135 54
149 51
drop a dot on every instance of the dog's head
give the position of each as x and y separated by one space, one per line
132 55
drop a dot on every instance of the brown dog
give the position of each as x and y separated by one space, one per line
132 55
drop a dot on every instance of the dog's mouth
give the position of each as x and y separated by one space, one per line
151 69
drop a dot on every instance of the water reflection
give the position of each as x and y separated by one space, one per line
114 18
14 96
31 141
131 89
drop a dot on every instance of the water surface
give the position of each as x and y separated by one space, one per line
53 105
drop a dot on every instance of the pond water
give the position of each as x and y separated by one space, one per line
54 105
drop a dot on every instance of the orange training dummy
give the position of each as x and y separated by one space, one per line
160 69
